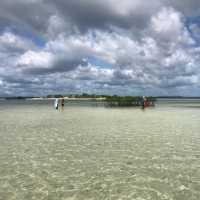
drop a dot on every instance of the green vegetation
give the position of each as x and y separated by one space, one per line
128 100
112 100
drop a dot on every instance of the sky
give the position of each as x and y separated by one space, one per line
129 47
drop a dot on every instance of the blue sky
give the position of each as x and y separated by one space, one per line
106 47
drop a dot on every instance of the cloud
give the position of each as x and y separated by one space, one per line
195 30
10 42
45 63
188 8
108 46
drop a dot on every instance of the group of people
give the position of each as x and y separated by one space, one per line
56 103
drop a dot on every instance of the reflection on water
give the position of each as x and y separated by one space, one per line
92 152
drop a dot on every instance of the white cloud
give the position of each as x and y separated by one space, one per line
142 45
35 59
168 26
167 22
1 82
91 73
11 42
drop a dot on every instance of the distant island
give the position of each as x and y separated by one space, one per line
92 96
109 100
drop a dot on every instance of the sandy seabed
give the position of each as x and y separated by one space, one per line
99 153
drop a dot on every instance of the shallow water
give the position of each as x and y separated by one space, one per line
92 152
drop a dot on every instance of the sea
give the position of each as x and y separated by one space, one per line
87 151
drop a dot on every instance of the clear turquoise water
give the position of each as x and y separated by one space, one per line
87 151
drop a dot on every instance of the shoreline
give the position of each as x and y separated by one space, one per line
70 99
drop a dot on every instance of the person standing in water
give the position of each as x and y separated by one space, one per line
56 103
143 102
62 102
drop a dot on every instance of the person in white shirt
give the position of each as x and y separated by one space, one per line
56 103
